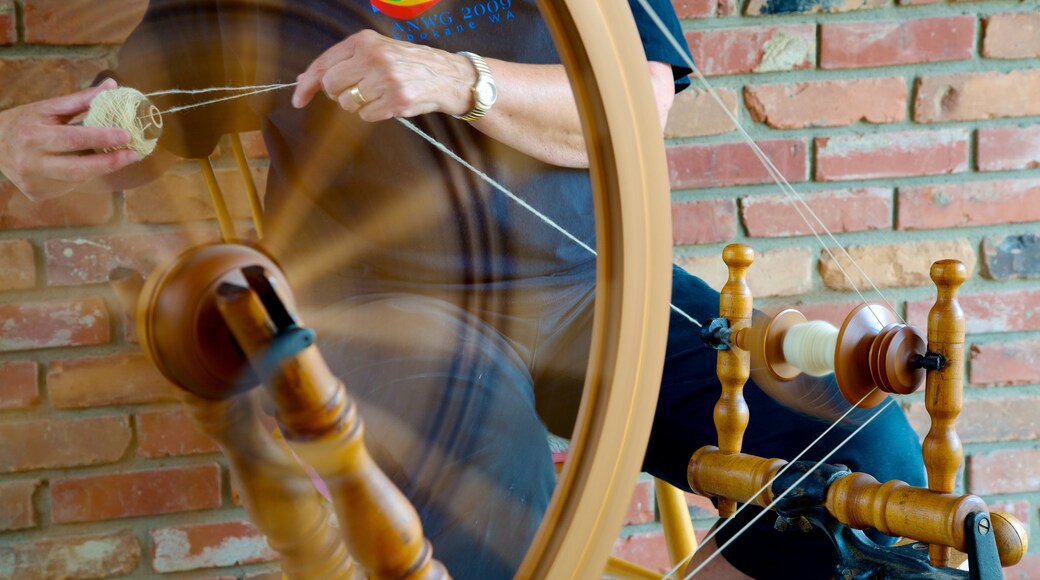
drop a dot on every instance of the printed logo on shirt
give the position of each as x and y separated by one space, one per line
403 9
444 23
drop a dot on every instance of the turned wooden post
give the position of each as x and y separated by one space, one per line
944 389
321 423
734 364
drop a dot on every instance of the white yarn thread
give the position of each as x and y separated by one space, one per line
810 347
131 110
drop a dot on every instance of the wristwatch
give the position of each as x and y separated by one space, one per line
484 90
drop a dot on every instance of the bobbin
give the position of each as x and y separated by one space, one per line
870 349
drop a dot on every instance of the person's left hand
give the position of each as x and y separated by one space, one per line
380 78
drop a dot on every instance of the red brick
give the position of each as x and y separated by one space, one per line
868 44
16 504
254 146
170 432
180 196
763 7
723 164
1004 471
891 265
641 508
968 204
753 49
978 421
19 387
1005 363
1027 569
1018 508
845 210
135 493
73 261
700 506
208 546
989 312
34 325
647 549
832 312
1015 35
897 154
106 380
272 575
31 79
694 8
17 265
74 209
703 222
975 96
81 21
72 558
784 272
1007 148
827 103
8 34
695 113
56 443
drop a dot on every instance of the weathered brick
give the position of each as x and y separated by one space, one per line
774 273
641 507
181 196
56 443
16 504
988 312
81 21
31 79
254 146
832 312
19 387
106 380
762 7
80 260
17 266
975 203
170 432
974 96
1005 363
753 49
8 34
703 222
986 420
897 154
135 493
1007 148
1027 569
827 103
56 323
723 164
193 547
1015 35
696 114
845 210
75 209
1004 471
891 266
1018 508
695 8
648 549
700 506
868 44
72 558
1007 257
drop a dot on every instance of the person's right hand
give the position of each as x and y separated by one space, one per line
46 157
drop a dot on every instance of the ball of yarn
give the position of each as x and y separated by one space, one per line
130 109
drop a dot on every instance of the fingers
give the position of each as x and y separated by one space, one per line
82 168
310 79
73 138
75 103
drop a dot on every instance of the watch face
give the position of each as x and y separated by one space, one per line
485 93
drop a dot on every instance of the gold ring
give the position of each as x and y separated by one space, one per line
355 93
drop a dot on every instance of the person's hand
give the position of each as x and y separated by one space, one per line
380 78
46 157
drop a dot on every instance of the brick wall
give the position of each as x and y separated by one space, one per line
910 127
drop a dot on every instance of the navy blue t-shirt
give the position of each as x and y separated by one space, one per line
395 206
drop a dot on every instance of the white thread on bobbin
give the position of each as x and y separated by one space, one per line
131 110
810 347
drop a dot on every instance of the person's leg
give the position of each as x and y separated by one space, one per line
887 448
449 415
